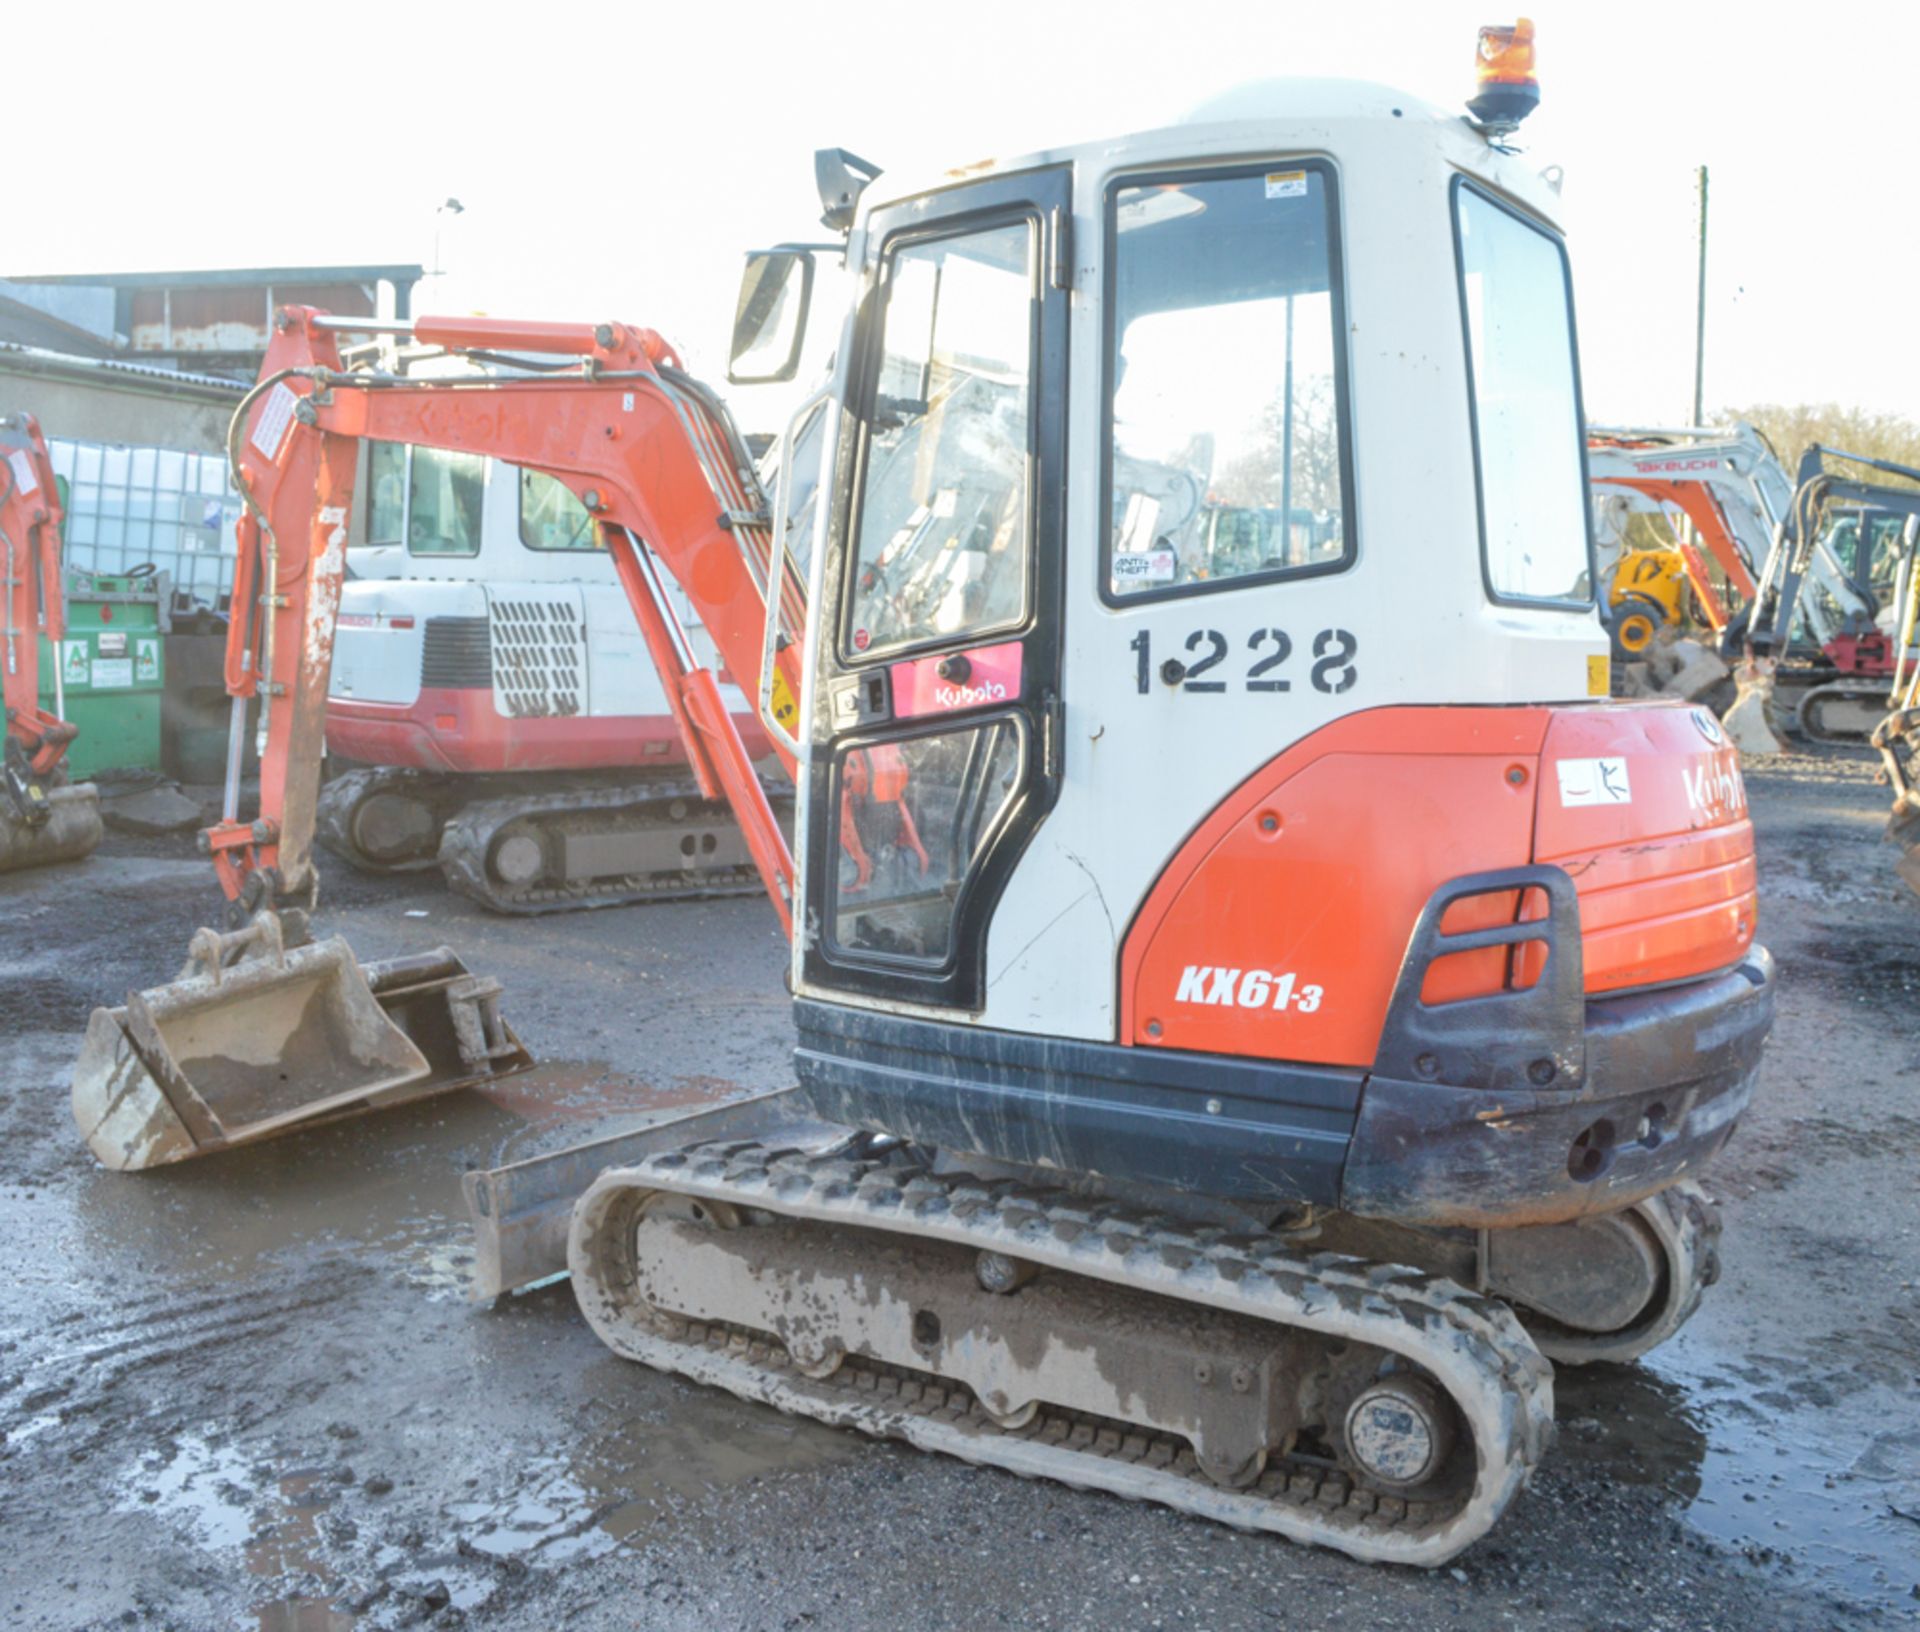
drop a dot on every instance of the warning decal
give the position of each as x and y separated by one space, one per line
275 418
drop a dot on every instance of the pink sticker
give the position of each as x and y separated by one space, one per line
956 680
860 640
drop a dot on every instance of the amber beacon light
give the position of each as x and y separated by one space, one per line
1507 90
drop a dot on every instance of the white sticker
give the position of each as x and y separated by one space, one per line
1144 567
146 660
1287 184
275 418
112 671
74 661
23 477
1594 782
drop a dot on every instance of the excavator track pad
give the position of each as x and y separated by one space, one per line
1369 1408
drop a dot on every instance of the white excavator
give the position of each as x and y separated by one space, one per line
492 711
1765 576
1260 1005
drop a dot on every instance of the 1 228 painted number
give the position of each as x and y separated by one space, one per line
1333 670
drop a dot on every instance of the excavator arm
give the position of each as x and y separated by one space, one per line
30 518
650 453
40 820
267 1031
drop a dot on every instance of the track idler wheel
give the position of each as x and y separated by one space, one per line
1683 1230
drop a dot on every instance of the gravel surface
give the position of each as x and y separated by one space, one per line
250 1392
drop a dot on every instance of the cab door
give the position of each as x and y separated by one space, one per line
937 686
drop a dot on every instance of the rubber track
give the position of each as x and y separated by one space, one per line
1807 716
468 838
1473 1346
340 796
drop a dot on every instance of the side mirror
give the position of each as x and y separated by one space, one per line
770 321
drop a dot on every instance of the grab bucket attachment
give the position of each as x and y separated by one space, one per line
255 1039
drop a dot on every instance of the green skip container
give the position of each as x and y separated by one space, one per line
112 665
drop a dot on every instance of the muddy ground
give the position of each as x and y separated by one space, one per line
251 1392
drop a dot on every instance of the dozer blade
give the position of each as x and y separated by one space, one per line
71 830
522 1212
242 1048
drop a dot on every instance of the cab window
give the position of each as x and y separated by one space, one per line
386 492
1227 456
444 495
1516 302
551 518
944 526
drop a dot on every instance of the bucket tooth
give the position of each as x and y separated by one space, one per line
242 1048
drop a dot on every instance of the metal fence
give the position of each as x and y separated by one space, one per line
126 506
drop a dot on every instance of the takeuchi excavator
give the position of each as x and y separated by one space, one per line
1824 636
492 710
44 816
1257 1011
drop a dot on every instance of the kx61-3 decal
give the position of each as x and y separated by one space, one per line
1205 670
1245 989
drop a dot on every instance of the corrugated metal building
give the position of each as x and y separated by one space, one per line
214 322
134 378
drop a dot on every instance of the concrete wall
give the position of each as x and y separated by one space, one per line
108 411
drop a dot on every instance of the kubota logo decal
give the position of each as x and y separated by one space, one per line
1245 989
1714 790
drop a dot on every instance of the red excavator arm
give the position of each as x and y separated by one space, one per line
652 455
30 544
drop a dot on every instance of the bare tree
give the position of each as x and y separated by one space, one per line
1255 479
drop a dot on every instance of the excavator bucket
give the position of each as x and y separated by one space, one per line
257 1039
1903 829
1898 739
65 827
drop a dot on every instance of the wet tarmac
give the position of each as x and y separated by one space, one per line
251 1391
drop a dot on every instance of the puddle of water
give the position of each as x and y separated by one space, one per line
568 1090
205 1488
1814 1487
229 1502
573 1508
413 1575
303 1615
640 1472
389 1180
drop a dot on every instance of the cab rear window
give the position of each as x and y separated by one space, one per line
1516 305
1227 454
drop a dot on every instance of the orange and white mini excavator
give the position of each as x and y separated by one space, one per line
44 817
1258 1009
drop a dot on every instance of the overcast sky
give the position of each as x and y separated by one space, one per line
615 160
